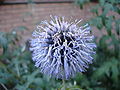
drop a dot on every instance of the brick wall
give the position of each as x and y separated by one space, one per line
41 1
12 16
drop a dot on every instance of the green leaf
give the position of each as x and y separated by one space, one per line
103 41
99 88
97 22
100 72
108 24
107 7
3 41
30 78
116 9
115 42
102 2
117 26
114 69
95 9
108 67
112 1
81 2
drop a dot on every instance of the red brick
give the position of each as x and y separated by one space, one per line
12 16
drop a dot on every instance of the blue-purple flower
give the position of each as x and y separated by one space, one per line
61 49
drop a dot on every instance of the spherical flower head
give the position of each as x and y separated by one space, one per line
61 49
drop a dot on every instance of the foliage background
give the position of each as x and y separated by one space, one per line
17 71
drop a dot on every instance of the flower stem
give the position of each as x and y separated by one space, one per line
64 86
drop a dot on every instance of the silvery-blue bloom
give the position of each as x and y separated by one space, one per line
61 49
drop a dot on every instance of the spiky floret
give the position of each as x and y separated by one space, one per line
61 49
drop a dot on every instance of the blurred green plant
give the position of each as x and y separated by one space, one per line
105 72
81 2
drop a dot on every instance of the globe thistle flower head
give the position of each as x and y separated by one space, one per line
61 49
